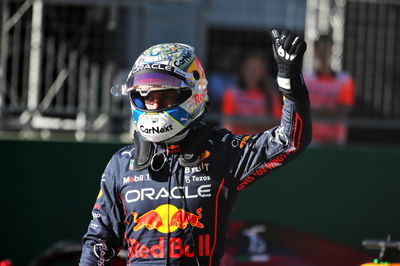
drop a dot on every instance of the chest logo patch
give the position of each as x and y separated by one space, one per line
167 218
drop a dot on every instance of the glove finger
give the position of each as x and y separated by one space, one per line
287 44
274 49
294 44
275 37
301 48
275 34
283 35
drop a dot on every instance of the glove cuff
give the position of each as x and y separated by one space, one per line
292 86
287 70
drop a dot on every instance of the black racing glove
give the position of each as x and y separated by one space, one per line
288 52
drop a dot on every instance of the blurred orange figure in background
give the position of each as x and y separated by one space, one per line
246 106
331 96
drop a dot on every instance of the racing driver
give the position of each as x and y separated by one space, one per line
167 198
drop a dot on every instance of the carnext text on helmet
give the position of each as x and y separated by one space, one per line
156 129
184 59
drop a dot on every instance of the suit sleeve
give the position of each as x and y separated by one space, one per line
253 157
103 239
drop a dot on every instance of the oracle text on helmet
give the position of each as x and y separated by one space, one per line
152 66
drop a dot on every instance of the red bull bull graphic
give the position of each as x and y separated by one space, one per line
182 218
177 248
167 218
150 220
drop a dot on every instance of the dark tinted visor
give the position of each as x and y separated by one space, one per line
155 79
165 99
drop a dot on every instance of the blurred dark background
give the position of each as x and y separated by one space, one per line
59 125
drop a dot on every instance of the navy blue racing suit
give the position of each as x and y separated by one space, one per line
179 215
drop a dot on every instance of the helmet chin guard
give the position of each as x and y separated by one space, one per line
164 67
160 126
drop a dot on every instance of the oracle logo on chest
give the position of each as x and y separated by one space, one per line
176 192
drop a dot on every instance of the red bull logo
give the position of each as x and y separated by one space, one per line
167 218
182 218
177 248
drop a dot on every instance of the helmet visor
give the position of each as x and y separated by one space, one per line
159 99
155 79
